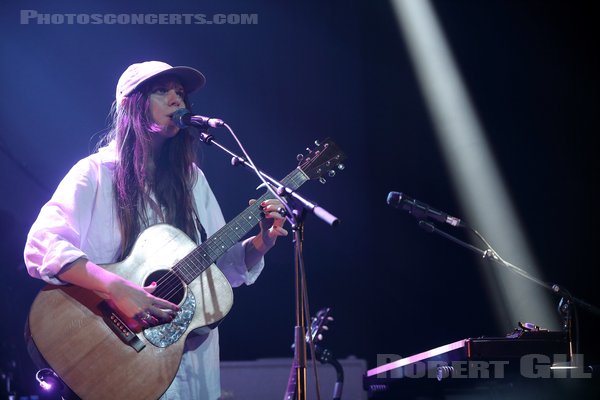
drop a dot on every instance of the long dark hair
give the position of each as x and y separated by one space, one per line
170 181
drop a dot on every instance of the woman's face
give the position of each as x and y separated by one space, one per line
166 97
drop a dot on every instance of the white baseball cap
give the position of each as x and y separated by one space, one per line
136 74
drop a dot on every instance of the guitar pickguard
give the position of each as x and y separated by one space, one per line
167 334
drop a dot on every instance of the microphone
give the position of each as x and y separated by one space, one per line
421 210
183 118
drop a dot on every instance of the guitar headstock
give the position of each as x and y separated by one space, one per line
322 161
318 325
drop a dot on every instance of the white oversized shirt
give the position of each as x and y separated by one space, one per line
80 220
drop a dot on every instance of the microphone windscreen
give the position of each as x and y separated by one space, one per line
181 118
394 198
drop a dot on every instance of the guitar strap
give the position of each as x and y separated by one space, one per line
199 228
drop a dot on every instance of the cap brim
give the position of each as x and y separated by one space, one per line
191 79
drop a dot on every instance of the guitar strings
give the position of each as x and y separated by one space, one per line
171 283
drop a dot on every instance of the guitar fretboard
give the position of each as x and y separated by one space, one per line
203 256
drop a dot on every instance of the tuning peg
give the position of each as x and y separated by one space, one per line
300 157
329 318
331 173
341 167
308 150
322 180
319 337
317 143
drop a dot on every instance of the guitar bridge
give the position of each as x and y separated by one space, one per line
119 327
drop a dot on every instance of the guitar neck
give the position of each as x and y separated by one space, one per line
290 392
203 256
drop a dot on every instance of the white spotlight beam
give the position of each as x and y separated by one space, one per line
475 175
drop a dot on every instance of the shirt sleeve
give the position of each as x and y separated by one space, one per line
233 262
233 266
55 237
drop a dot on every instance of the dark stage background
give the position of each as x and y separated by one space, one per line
310 70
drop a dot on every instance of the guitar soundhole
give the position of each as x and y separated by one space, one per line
169 286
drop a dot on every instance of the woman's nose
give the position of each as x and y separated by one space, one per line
174 98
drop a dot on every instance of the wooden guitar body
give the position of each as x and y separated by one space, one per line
69 327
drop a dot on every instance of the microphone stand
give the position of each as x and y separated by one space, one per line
293 216
296 208
299 363
566 302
